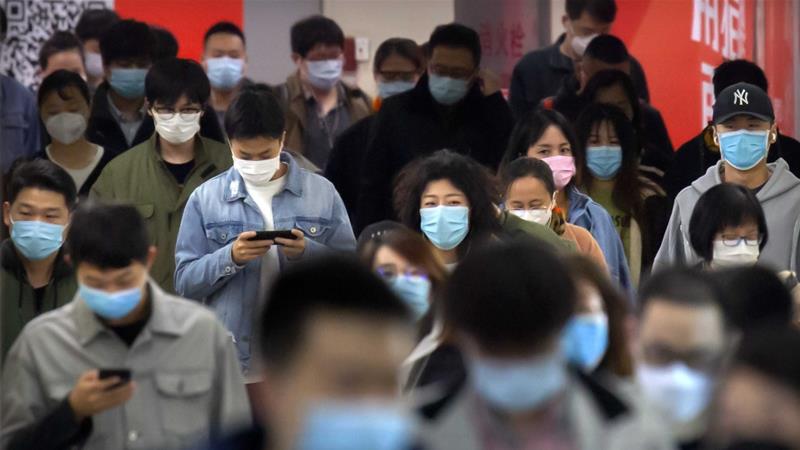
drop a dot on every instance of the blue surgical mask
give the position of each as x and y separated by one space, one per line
224 73
518 385
744 149
110 305
36 240
415 290
446 90
324 74
387 89
445 226
680 392
128 83
586 339
604 161
356 426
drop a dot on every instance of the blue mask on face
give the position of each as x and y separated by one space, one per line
128 83
743 149
446 90
518 385
415 290
445 226
109 305
224 72
586 339
36 240
604 161
354 426
387 89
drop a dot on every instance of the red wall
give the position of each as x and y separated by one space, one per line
188 20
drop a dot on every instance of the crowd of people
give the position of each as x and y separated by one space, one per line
194 259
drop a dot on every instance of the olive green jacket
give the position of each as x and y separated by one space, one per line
140 177
17 296
516 227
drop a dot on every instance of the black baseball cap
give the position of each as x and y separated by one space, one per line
743 98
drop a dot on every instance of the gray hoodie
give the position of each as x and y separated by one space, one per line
780 199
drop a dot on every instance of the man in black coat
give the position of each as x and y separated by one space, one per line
453 106
694 157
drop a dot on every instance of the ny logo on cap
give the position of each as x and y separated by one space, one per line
740 97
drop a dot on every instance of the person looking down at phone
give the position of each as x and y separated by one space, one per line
222 255
124 364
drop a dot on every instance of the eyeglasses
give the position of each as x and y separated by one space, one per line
397 75
389 273
728 242
185 113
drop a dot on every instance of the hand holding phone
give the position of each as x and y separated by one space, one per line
93 394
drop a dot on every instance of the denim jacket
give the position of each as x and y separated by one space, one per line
219 210
586 213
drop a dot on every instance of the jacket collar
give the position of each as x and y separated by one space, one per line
200 154
236 190
556 59
11 262
162 320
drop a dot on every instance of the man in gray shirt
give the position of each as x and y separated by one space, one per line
176 379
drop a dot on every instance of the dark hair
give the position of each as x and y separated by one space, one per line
60 41
536 168
59 81
602 10
94 23
627 193
754 296
41 174
530 128
724 205
617 359
608 49
736 71
164 43
314 30
255 112
681 285
456 35
225 28
773 352
342 285
171 78
511 294
466 175
605 79
405 48
127 39
122 241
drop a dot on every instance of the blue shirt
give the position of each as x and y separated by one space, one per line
221 209
20 132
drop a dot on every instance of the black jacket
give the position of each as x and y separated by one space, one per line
345 164
412 124
103 130
693 159
540 74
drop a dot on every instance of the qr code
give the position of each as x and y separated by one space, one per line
30 24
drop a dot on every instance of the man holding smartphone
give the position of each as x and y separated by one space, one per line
242 227
124 365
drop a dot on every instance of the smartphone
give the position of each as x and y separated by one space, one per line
271 235
123 374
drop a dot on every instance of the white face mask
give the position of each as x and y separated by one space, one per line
257 173
177 130
540 216
94 64
680 392
579 43
740 255
66 127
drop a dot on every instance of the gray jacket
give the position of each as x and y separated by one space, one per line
188 383
780 199
597 420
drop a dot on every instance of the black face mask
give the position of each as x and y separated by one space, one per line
755 445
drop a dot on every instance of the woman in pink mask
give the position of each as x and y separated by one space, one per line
546 135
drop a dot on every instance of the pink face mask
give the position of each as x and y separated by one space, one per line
563 168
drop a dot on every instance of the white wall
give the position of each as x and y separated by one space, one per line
379 20
557 8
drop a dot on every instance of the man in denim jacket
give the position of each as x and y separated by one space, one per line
218 261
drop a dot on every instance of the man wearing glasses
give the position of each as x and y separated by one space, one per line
159 174
455 105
